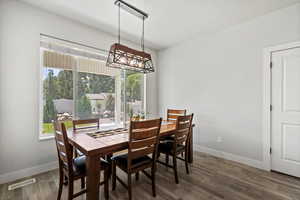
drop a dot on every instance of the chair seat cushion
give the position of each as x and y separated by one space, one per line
79 164
122 161
167 138
167 147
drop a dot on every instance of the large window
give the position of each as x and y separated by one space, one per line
76 84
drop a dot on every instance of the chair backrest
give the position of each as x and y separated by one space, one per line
64 149
172 114
183 129
143 139
85 124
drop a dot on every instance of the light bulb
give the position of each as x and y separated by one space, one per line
140 64
123 60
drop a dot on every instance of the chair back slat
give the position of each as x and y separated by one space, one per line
64 149
139 134
61 146
143 143
85 124
143 139
172 114
184 125
183 129
182 132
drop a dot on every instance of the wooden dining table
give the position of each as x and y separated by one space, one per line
95 148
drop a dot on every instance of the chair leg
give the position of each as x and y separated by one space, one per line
153 182
137 176
167 159
186 162
82 183
108 158
75 153
70 189
129 186
66 180
114 175
61 182
175 168
106 183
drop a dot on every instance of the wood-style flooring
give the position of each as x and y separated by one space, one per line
210 178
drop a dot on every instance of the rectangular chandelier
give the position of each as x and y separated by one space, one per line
123 57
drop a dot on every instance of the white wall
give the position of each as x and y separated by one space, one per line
20 28
219 78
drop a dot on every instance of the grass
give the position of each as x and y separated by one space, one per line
48 127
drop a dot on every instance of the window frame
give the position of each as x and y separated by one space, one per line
43 136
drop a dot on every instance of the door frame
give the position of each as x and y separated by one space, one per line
267 88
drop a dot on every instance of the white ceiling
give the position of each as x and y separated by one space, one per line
170 21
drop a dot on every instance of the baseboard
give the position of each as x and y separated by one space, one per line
12 176
228 156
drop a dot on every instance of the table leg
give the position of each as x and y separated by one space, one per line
190 154
93 177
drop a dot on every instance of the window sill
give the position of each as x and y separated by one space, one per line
48 137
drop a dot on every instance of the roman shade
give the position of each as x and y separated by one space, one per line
67 62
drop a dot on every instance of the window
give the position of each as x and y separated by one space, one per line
76 84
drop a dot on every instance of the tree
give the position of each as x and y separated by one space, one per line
101 83
84 108
133 86
50 85
49 111
110 104
50 94
65 84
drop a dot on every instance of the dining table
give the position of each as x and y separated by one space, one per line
96 143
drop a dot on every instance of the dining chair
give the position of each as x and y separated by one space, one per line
73 168
179 145
143 141
85 124
172 114
82 124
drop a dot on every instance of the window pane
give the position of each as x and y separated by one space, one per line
97 97
57 97
134 90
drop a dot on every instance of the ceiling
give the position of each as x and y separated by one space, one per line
170 21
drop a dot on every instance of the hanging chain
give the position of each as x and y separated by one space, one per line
119 23
143 35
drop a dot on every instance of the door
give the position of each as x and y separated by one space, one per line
285 115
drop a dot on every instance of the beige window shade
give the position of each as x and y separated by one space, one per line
67 62
58 60
96 67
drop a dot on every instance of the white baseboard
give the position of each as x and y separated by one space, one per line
12 176
228 156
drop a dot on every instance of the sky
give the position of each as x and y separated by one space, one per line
46 71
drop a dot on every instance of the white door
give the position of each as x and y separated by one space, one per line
286 111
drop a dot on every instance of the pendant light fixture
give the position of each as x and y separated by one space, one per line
121 56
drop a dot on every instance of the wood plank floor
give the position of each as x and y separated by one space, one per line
211 178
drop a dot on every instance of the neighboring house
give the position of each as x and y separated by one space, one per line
98 102
136 106
63 105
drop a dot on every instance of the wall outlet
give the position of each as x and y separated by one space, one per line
219 139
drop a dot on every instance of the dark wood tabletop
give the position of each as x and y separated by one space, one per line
94 148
